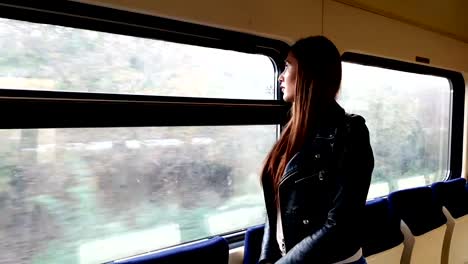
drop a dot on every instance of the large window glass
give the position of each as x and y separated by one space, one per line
408 116
99 194
93 195
46 57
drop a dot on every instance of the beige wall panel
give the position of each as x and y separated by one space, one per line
353 29
447 17
285 20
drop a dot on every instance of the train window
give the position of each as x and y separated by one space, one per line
132 167
409 119
56 58
97 194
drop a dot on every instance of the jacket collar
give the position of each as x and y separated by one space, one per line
328 121
331 116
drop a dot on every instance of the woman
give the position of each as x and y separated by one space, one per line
316 177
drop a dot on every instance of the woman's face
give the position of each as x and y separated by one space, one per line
287 79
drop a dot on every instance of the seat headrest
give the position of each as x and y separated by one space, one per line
418 209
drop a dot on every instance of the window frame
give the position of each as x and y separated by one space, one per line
457 87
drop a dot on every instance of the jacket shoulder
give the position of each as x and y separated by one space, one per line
356 125
354 119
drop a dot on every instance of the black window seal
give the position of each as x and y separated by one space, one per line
40 109
458 99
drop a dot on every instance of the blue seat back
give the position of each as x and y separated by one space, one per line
453 195
466 189
381 228
418 209
214 250
253 244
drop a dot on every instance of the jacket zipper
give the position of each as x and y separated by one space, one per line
288 176
308 177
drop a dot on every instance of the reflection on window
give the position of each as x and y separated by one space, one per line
46 57
408 116
99 194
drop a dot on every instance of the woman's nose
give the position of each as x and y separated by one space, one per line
281 77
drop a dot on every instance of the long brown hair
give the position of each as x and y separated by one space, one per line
317 83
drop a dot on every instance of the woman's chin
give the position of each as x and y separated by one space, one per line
287 98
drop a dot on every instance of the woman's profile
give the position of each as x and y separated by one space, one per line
316 177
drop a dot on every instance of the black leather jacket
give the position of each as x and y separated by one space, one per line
322 194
